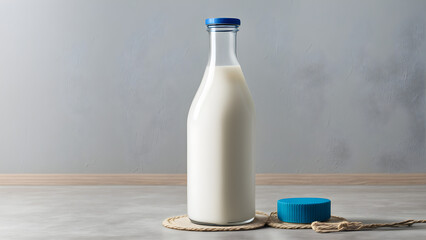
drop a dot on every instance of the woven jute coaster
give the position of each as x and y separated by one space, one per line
183 223
274 222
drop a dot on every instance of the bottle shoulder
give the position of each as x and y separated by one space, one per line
222 89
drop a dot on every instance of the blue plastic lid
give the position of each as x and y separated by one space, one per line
303 210
223 21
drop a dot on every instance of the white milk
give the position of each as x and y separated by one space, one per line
220 163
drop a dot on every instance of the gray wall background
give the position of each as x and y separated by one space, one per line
105 86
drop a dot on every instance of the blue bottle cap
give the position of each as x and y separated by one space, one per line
303 210
223 21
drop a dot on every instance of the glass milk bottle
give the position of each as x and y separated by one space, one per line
221 180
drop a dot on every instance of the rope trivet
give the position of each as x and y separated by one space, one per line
326 227
183 223
334 224
274 222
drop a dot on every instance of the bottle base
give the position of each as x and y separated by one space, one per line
225 224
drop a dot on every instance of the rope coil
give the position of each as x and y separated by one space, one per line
325 227
334 224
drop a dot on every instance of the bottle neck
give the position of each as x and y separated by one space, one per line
223 45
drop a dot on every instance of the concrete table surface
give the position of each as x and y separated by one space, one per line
136 212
